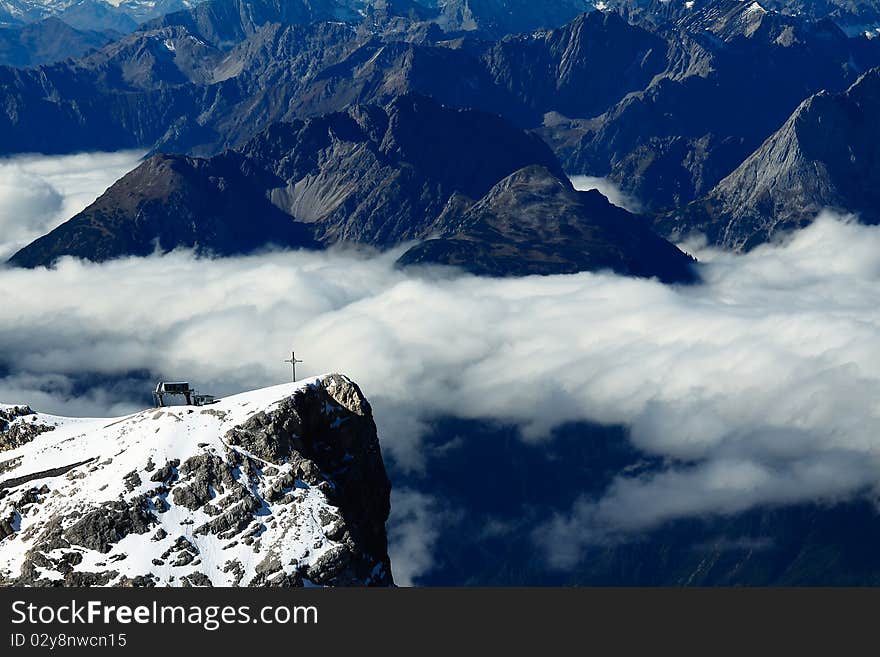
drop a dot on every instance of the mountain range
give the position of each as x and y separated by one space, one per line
491 198
90 15
658 109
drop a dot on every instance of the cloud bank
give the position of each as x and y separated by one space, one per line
609 189
39 192
412 533
758 387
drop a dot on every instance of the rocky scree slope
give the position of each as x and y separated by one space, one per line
278 487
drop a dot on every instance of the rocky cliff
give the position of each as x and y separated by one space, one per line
278 487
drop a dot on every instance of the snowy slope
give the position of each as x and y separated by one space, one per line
91 14
228 494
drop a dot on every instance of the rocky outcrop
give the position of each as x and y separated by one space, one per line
19 425
272 488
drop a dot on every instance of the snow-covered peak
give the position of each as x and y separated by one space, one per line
249 490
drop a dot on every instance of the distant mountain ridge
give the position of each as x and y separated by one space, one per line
665 112
48 41
695 122
97 15
376 176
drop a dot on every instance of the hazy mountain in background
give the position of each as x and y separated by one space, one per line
99 15
48 41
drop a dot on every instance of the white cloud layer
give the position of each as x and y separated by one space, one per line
38 192
759 387
609 189
415 529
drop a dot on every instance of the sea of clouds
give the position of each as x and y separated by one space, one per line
760 386
37 192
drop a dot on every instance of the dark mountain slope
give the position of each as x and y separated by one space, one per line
533 222
83 116
215 206
825 156
580 69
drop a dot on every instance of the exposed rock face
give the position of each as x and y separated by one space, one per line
381 176
234 20
272 488
231 21
19 425
824 156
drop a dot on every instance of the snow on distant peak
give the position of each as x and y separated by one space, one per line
755 8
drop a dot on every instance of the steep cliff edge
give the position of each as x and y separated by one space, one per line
278 487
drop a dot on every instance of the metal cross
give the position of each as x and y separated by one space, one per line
293 361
